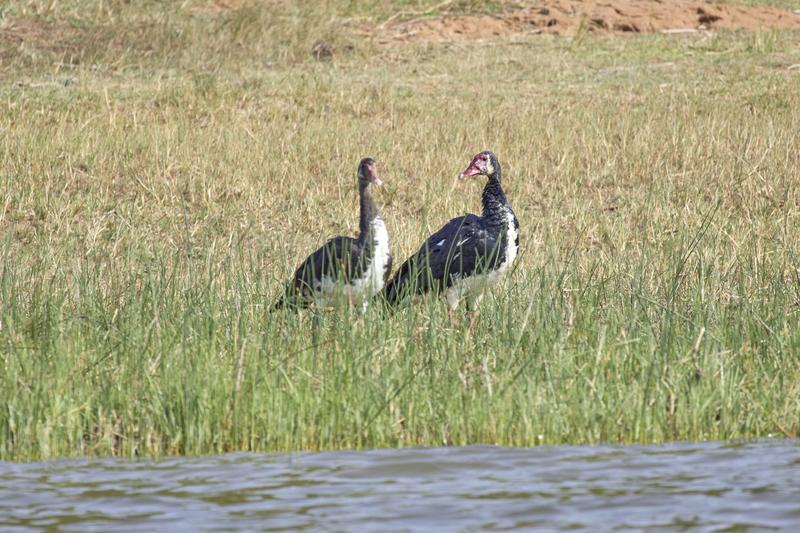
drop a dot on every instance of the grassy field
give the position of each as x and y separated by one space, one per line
163 169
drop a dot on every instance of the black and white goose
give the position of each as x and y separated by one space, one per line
469 253
353 268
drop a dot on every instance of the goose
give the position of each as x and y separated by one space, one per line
356 268
469 253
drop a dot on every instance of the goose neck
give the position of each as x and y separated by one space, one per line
369 212
495 204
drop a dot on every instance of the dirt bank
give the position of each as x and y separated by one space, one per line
564 17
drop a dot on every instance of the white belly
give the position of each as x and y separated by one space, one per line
372 281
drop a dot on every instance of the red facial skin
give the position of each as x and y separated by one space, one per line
476 167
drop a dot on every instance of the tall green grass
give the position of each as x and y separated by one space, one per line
153 203
162 358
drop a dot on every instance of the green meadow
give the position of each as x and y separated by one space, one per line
164 167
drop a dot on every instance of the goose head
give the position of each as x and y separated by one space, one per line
483 164
367 174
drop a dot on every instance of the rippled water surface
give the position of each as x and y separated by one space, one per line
706 487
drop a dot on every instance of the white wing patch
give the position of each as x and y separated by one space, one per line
440 243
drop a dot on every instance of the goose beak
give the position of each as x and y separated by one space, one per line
471 170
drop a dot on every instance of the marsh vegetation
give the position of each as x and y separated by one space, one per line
163 168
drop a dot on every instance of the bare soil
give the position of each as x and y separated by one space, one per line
565 17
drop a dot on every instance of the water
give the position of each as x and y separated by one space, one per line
702 487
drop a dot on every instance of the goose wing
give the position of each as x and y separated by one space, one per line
460 248
335 261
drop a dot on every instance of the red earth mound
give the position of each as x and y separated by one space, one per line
564 17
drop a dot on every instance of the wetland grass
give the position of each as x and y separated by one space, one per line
153 205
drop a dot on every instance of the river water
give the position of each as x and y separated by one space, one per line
688 486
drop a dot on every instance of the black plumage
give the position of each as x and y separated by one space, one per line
468 252
355 267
